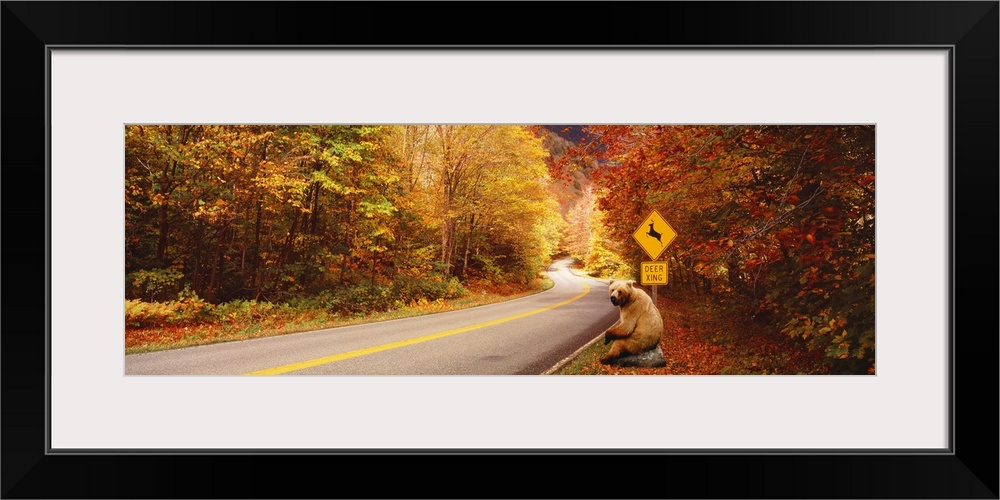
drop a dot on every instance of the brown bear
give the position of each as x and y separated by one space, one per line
639 325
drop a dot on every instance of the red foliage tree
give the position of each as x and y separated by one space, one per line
777 221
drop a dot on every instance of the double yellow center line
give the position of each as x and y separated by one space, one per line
301 365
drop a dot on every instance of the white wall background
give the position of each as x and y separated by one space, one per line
94 93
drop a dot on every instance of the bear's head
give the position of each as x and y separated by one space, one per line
621 292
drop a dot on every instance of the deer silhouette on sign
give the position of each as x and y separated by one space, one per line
653 234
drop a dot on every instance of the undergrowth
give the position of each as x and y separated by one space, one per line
189 320
704 338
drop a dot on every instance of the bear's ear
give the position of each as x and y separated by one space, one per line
611 281
631 283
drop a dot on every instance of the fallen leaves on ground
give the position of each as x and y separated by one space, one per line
701 339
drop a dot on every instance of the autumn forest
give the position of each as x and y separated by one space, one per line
240 231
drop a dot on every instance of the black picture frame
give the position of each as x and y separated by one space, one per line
970 29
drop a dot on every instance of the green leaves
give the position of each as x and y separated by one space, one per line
154 283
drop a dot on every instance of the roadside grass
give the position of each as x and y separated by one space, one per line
284 320
588 363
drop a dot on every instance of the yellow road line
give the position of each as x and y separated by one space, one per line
301 365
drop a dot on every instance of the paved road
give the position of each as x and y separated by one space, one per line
522 336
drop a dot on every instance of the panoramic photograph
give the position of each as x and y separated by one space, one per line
499 249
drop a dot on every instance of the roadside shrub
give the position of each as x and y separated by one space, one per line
431 288
150 283
146 314
603 263
325 300
188 309
362 299
487 267
243 311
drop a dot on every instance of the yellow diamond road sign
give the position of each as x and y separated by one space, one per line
654 234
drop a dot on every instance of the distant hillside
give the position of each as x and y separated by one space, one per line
569 188
572 133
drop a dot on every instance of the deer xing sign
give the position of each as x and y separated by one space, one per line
654 235
653 273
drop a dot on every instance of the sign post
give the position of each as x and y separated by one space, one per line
654 235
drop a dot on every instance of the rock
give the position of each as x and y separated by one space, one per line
652 358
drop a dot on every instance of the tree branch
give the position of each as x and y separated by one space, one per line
788 187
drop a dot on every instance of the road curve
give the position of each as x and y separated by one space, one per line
522 336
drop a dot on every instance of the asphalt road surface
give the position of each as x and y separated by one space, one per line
522 336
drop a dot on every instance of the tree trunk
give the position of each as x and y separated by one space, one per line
398 246
161 245
733 275
167 185
255 255
196 277
374 265
314 209
286 249
447 231
347 240
165 190
446 235
313 201
213 281
468 240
